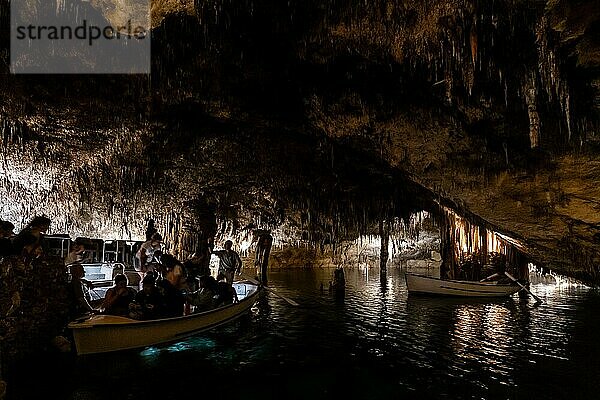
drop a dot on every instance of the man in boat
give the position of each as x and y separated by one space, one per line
148 301
169 287
118 297
229 262
499 276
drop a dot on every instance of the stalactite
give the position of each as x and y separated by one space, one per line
473 43
530 90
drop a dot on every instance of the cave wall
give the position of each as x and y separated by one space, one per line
33 307
491 105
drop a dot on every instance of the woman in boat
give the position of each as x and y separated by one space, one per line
76 253
118 297
148 252
174 271
78 299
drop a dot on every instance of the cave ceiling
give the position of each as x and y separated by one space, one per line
325 115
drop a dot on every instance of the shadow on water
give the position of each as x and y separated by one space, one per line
375 342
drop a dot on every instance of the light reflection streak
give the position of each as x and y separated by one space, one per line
152 353
481 334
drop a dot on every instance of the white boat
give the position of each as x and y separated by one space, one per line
428 285
106 333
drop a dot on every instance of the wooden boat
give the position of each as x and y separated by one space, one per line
106 333
428 285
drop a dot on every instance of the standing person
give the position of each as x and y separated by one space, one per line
6 234
229 262
150 229
30 239
6 229
147 254
196 266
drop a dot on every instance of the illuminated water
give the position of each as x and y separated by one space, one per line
376 343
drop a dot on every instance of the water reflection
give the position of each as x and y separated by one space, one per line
379 343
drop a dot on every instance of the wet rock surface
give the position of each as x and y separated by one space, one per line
33 306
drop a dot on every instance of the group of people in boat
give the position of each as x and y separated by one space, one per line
168 287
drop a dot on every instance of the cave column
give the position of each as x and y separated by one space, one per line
483 256
447 246
192 232
384 234
263 249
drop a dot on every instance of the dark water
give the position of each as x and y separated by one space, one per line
376 343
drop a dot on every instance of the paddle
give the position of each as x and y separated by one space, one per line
290 301
537 299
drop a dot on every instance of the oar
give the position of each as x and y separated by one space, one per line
537 299
290 301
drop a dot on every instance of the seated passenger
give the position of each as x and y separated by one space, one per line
203 298
173 271
118 297
226 294
76 253
171 295
78 299
147 302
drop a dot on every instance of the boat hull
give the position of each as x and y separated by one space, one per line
107 333
427 285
